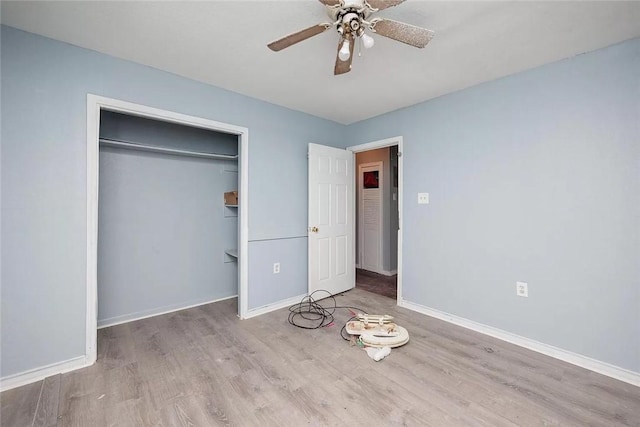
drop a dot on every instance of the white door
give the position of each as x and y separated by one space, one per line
370 182
331 219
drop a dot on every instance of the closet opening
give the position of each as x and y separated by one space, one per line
166 214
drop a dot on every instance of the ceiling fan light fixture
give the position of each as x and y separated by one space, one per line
367 41
344 52
351 18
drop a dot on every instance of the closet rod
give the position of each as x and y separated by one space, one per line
133 146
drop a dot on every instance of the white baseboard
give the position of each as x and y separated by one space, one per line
118 320
594 365
274 306
38 374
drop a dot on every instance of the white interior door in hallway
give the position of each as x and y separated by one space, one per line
370 183
331 219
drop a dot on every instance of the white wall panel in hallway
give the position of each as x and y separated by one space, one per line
370 185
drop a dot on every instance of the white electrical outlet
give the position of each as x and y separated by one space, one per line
522 289
423 198
276 267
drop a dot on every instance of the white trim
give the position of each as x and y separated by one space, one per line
94 105
119 320
107 142
549 350
243 217
38 374
388 142
396 140
274 306
93 147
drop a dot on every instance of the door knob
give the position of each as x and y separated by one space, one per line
314 229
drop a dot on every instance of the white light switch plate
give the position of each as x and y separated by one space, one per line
423 198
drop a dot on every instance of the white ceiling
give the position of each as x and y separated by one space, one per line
224 43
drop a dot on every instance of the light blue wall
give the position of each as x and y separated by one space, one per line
162 233
44 89
292 279
535 178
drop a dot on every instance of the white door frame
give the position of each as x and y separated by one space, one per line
389 142
360 220
94 105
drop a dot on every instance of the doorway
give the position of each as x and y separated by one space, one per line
95 107
378 205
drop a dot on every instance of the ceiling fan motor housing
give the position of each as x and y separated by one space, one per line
351 22
350 18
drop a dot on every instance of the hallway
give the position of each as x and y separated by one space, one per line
377 283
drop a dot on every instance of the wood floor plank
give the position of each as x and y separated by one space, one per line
47 412
81 392
204 366
18 406
116 346
377 283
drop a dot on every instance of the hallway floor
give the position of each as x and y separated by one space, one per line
377 283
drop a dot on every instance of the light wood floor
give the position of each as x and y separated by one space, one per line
205 367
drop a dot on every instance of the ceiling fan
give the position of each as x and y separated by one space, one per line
350 19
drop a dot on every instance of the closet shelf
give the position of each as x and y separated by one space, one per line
232 252
133 146
231 206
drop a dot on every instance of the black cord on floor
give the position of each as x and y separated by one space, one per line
310 314
343 331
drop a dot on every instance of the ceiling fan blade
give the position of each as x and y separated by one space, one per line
405 33
330 2
294 38
383 4
343 67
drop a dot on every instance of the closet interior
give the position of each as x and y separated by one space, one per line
167 234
